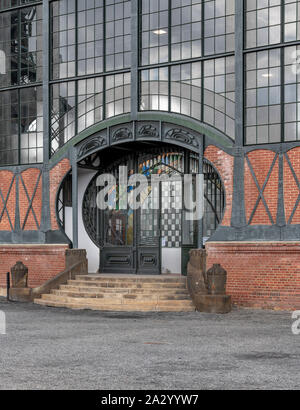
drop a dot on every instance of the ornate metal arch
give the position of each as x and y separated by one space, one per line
139 131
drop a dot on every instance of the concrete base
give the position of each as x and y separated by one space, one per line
213 303
20 295
3 292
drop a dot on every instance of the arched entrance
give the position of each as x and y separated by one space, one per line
151 239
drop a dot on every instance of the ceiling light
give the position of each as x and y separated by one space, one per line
267 75
159 32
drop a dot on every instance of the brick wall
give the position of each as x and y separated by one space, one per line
8 190
57 174
224 165
43 261
260 275
291 190
30 186
261 162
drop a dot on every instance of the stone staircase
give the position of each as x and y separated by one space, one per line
129 293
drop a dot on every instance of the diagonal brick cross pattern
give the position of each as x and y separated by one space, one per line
30 192
7 200
261 189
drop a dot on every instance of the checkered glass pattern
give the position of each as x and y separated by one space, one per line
171 211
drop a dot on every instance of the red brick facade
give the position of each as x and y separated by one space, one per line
57 174
30 187
43 261
8 189
224 165
291 190
260 274
261 162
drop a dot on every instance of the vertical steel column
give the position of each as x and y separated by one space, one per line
75 197
134 58
238 207
201 193
46 216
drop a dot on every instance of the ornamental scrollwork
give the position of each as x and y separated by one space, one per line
148 131
122 134
91 145
182 136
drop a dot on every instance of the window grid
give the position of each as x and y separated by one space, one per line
21 126
219 94
182 89
291 94
77 105
154 31
186 83
21 46
291 20
263 22
117 34
185 29
219 26
8 4
263 97
271 22
155 89
89 37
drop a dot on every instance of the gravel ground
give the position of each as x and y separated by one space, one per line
48 348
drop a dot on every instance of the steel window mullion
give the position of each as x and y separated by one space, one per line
104 36
76 38
16 8
169 31
282 94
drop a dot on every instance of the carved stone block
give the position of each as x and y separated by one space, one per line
220 304
216 279
207 289
19 275
196 271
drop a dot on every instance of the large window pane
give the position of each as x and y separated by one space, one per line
263 97
21 126
21 46
186 29
154 31
77 105
219 94
103 32
186 89
6 4
219 26
155 90
292 94
263 22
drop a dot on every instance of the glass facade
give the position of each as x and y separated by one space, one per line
89 39
179 55
204 87
21 100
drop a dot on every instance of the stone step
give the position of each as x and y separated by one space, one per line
116 308
115 301
129 293
110 291
135 296
123 284
133 278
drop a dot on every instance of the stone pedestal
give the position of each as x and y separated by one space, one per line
213 303
207 289
20 295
